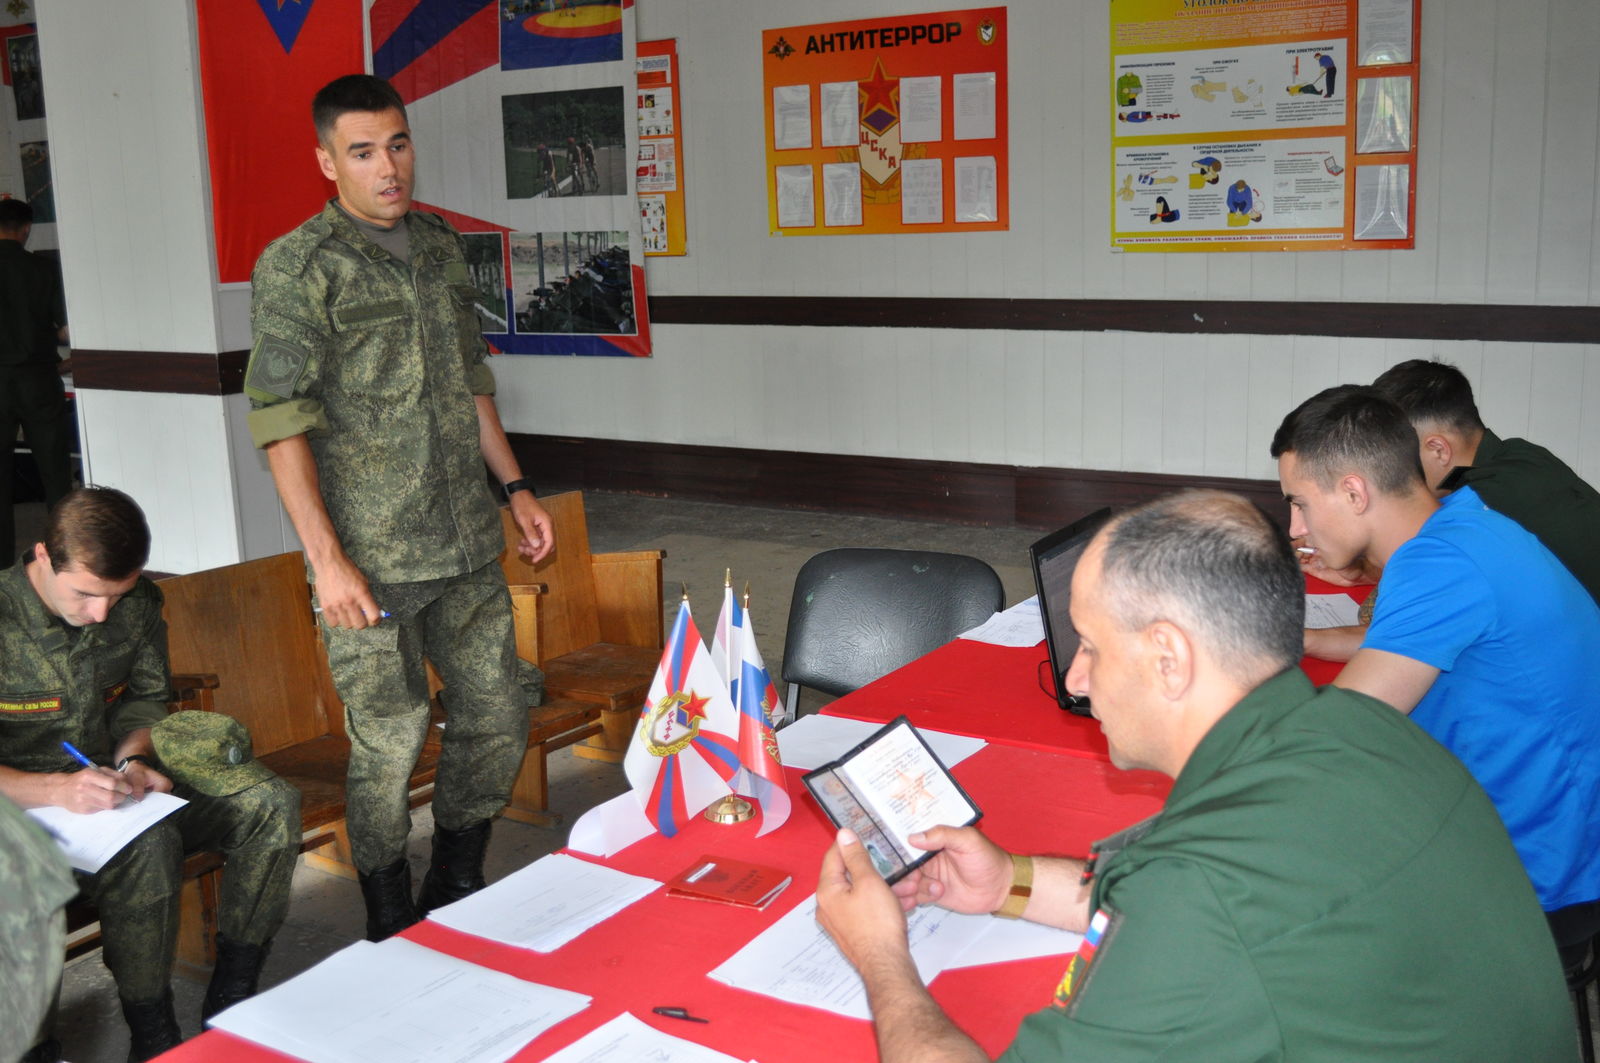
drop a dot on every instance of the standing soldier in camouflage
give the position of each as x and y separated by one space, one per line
83 660
370 395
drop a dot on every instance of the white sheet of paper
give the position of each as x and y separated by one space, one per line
795 960
921 191
841 193
921 109
611 826
813 741
1021 625
546 904
1332 610
402 1003
841 114
974 106
627 1039
1016 939
975 189
797 202
89 839
791 116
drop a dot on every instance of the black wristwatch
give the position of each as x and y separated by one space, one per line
514 486
140 757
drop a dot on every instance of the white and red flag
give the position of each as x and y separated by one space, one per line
685 749
756 696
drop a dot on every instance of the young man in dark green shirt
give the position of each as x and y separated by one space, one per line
1520 479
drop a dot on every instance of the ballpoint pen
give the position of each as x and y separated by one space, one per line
77 755
678 1013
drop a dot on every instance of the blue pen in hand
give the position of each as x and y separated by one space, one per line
73 752
76 754
383 614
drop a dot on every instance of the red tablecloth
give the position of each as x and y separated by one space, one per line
973 688
659 950
1324 672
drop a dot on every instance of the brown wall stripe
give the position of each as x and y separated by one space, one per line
1416 321
169 372
207 374
963 492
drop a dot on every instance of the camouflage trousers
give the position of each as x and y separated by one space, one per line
257 830
463 625
34 884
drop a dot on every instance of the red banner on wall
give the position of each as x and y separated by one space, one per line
260 65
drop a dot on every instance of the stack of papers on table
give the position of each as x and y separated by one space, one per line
401 1003
546 904
627 1040
795 960
812 741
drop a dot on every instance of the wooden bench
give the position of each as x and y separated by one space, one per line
243 640
592 622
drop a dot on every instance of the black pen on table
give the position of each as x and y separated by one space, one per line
678 1013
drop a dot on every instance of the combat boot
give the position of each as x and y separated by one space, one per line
387 892
234 977
43 1052
154 1027
456 869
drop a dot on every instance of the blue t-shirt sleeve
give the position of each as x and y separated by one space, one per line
1432 604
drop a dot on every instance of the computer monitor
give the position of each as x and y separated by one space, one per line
1054 558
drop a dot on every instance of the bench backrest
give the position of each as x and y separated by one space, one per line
567 616
251 625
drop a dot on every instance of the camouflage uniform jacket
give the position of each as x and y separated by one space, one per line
89 686
377 362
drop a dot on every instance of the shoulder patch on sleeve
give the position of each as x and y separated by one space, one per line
1102 928
275 366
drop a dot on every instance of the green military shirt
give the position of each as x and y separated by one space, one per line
35 882
87 685
1539 491
377 362
1325 883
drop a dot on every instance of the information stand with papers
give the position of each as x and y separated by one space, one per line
888 788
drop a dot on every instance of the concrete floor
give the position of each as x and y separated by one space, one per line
764 546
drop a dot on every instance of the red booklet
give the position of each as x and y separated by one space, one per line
717 878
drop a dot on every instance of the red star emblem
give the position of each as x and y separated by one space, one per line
880 91
695 706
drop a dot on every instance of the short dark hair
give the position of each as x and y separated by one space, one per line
1215 565
99 528
15 215
353 92
1431 393
1352 428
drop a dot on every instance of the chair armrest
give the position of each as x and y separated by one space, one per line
194 691
520 590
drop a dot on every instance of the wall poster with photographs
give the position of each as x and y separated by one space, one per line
26 173
539 94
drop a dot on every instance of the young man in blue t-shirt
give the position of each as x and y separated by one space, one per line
1480 633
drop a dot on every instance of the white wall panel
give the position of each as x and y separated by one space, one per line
169 452
127 158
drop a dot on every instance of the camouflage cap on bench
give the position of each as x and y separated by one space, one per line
209 751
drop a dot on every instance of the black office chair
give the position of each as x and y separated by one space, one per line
857 615
1577 933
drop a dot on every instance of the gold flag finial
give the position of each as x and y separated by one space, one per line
685 587
747 596
727 577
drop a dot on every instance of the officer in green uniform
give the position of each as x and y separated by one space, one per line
83 661
1302 895
35 883
370 395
